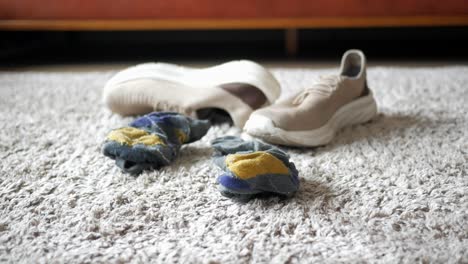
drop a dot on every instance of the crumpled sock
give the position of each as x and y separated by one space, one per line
152 141
253 167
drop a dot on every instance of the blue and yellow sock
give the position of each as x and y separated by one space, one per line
253 167
152 141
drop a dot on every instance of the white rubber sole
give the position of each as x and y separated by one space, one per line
242 71
359 111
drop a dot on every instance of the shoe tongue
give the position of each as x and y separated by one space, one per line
330 79
324 86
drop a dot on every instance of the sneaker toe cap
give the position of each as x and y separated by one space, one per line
259 125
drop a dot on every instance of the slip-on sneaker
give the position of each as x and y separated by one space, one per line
236 88
314 115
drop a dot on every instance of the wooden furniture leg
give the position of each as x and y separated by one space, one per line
291 44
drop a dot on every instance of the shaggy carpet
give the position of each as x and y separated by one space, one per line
392 190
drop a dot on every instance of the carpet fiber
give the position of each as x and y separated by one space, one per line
392 190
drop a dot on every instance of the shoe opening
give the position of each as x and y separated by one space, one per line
215 115
353 65
128 164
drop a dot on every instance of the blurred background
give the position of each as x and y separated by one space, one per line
57 33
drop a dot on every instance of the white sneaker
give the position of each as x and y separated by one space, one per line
236 87
313 116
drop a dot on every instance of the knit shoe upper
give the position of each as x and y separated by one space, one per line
312 116
236 87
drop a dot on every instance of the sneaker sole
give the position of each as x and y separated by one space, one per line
359 111
242 71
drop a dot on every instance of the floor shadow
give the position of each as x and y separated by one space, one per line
309 190
383 127
190 155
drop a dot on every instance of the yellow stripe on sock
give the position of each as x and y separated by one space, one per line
132 136
249 165
181 135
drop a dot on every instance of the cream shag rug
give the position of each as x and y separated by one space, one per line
392 190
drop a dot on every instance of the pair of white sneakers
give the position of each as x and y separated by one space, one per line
246 92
